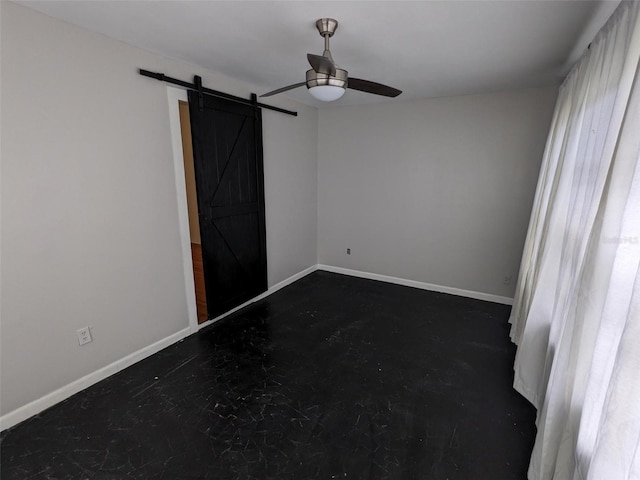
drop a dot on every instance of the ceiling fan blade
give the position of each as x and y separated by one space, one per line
283 89
372 87
321 64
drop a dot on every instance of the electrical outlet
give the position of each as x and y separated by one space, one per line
348 251
84 335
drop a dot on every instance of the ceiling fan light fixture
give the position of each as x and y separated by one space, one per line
326 93
327 88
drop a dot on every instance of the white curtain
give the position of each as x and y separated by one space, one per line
576 314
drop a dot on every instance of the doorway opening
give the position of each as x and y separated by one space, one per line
192 207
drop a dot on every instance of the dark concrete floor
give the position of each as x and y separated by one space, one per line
332 377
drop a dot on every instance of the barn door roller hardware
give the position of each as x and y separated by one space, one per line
197 86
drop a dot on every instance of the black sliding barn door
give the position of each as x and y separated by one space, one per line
227 154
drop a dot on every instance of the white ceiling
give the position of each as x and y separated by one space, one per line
425 48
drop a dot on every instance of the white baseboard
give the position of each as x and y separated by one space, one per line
413 283
271 290
33 408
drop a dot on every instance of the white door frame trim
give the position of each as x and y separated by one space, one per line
174 95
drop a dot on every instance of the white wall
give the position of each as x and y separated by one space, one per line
437 191
291 190
90 231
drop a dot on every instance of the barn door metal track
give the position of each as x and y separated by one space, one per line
197 86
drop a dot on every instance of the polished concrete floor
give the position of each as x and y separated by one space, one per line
332 377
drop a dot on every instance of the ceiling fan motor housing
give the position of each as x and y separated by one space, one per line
315 79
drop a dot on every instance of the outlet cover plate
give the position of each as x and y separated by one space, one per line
84 335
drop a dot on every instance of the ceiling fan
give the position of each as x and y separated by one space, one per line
325 80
